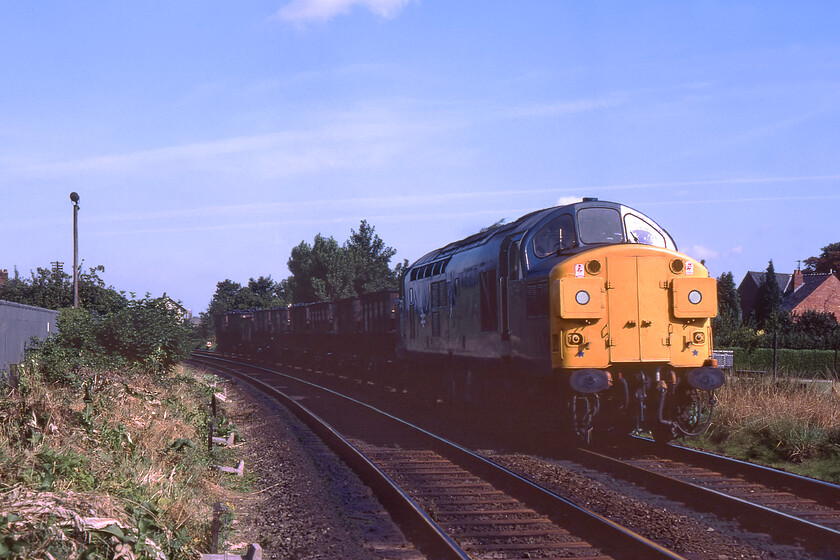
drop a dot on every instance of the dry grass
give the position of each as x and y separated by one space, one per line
790 424
104 449
744 401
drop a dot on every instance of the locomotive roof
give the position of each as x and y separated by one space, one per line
522 224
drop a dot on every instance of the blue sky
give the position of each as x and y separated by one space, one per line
206 139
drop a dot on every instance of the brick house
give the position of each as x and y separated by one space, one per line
800 292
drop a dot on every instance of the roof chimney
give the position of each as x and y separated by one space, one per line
798 279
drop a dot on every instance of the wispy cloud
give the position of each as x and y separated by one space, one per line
307 11
350 141
701 252
306 219
568 107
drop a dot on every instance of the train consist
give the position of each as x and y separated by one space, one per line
586 308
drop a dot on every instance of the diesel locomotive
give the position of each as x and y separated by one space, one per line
587 307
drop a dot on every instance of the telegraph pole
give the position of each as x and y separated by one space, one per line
75 198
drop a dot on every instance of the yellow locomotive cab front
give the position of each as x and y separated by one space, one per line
631 304
632 323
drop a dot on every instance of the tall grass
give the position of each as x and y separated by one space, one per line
792 424
122 451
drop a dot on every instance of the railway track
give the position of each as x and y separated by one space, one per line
451 502
795 509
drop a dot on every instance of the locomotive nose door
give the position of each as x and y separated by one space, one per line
637 306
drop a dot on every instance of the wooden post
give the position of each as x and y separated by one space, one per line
219 526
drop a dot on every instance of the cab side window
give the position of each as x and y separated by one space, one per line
639 231
555 236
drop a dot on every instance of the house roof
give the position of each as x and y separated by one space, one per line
810 282
820 292
782 279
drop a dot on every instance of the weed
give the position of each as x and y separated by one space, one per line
108 445
791 423
10 544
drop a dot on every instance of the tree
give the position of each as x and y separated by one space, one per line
768 301
318 272
828 261
729 301
728 319
53 289
326 271
323 271
225 298
818 327
260 293
368 261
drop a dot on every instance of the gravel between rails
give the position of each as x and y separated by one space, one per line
694 535
306 503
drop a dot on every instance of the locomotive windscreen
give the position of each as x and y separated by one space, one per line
600 225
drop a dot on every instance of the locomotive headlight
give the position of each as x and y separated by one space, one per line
695 297
582 297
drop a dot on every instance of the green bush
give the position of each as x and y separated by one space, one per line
143 336
811 363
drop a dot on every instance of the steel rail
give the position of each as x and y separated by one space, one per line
614 539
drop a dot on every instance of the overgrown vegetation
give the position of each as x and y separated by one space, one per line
144 336
103 441
91 467
790 424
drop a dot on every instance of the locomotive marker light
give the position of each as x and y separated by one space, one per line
75 198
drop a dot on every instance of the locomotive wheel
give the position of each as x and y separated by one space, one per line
662 433
694 411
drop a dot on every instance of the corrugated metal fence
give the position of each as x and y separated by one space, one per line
18 324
